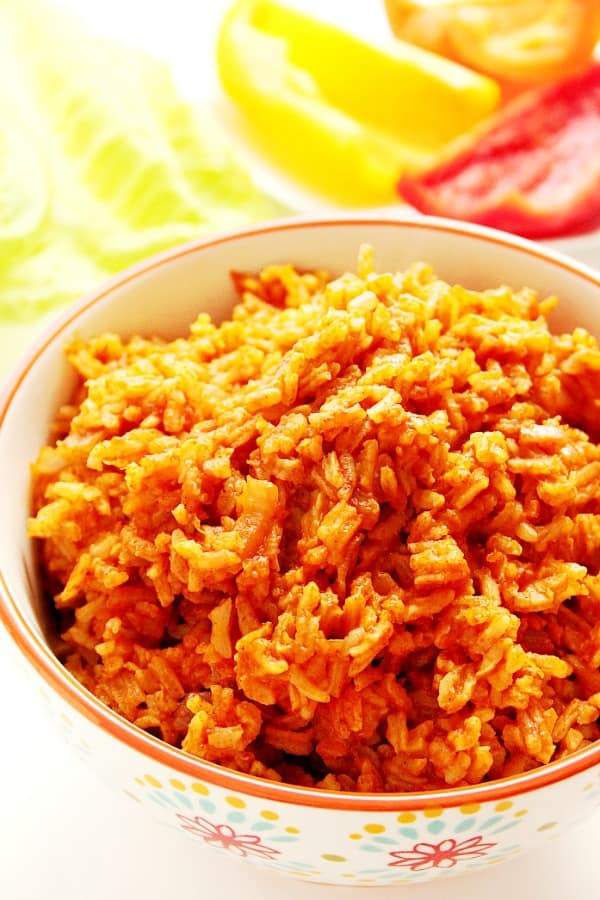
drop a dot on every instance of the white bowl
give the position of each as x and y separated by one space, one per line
318 835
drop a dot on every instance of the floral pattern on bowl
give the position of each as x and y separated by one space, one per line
397 848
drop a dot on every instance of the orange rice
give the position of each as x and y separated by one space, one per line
349 538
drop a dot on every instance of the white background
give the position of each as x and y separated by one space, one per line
62 835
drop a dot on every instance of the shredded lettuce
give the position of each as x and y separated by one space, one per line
101 162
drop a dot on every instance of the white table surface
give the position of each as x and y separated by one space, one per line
63 836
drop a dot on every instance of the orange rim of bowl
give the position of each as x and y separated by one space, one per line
60 679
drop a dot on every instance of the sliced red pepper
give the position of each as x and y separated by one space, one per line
534 169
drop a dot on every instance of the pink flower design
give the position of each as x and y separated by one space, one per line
444 855
224 836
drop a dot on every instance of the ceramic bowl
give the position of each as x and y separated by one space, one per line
321 836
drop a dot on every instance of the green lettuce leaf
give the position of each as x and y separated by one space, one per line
101 162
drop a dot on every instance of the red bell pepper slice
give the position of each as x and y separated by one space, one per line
534 169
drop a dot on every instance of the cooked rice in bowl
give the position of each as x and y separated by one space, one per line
347 539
